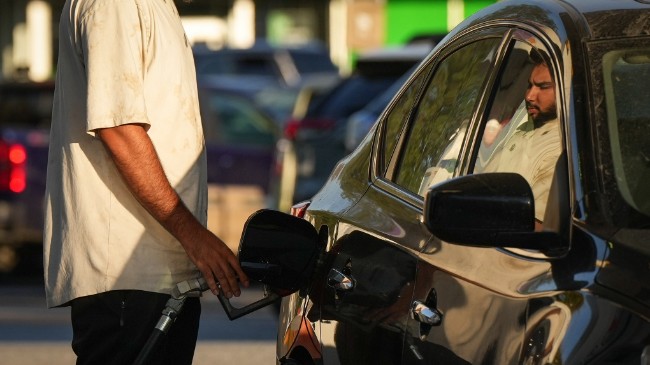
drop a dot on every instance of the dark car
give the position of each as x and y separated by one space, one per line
360 122
25 114
314 142
420 251
272 75
240 138
285 65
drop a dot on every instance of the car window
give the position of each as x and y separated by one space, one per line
399 114
235 63
312 62
350 95
433 142
521 131
229 119
626 78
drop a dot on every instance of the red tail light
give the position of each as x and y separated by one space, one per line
293 126
300 209
291 129
13 174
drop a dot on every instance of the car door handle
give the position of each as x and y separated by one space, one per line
425 315
340 281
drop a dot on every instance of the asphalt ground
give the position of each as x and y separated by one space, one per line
32 334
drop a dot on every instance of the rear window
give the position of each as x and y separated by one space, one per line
312 62
235 63
626 76
26 105
231 119
260 63
349 96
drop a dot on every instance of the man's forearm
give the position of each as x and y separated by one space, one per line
136 159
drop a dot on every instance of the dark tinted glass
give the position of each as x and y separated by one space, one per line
349 96
627 75
26 105
312 62
235 63
437 132
399 114
231 119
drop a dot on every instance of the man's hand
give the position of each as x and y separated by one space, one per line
216 262
135 158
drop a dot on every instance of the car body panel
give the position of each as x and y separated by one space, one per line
25 118
286 66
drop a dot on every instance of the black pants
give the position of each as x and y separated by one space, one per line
112 327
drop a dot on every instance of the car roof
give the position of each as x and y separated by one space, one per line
414 52
262 46
591 18
391 61
263 50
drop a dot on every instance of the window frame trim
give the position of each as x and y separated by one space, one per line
471 35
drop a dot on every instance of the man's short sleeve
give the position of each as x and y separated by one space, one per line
114 56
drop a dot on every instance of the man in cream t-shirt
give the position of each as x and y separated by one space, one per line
126 186
531 148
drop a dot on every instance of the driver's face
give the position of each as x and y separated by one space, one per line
540 95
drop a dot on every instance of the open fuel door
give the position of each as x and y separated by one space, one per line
277 250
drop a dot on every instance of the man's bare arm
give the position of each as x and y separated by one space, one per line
135 158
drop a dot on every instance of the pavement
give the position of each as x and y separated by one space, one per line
32 334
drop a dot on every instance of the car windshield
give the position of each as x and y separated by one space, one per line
312 62
232 119
262 63
349 96
626 76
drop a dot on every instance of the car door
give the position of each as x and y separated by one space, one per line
378 239
471 303
370 267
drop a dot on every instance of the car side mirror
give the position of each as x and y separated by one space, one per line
278 251
487 210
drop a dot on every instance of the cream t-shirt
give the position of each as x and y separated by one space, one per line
120 62
532 153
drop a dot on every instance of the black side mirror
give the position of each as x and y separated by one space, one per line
488 210
278 251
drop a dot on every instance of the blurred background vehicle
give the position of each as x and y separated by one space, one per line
360 122
240 142
314 141
240 137
271 75
25 114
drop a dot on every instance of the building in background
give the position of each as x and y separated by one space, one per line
26 39
28 28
